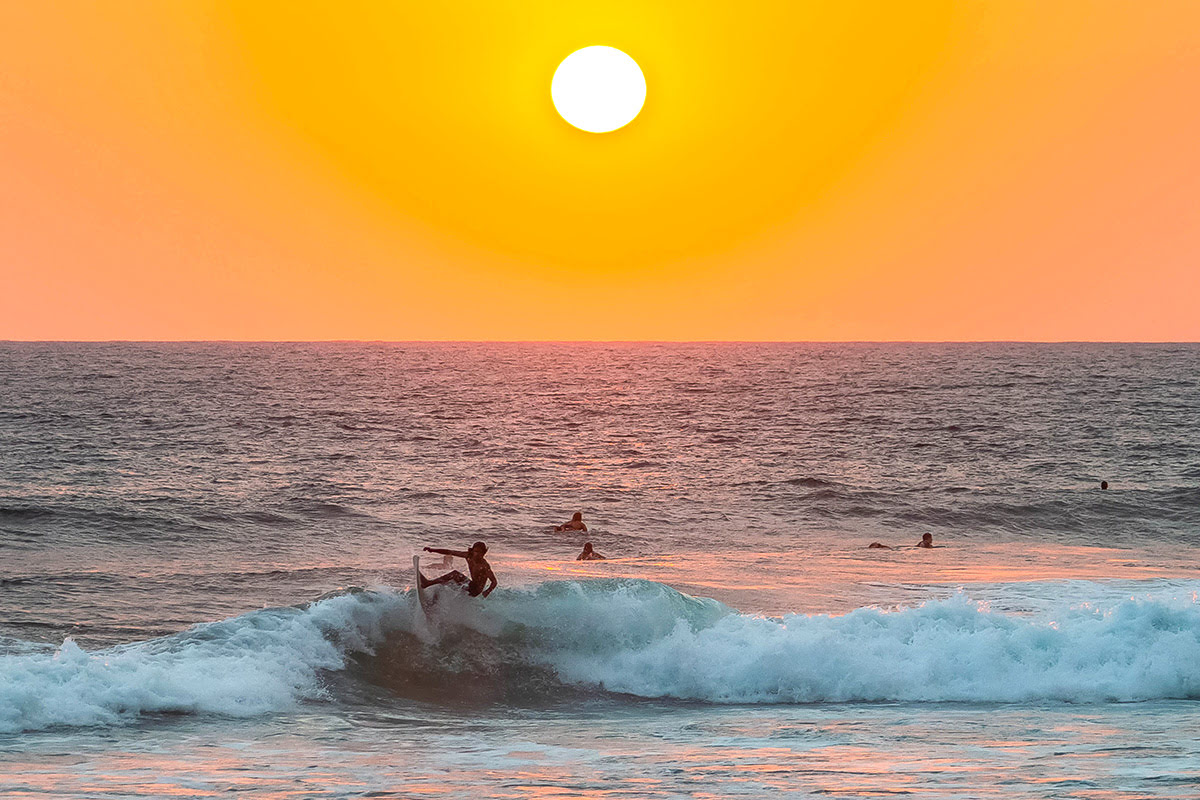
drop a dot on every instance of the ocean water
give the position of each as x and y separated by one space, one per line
205 570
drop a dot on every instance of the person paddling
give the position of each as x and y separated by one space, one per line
926 542
589 554
481 570
576 524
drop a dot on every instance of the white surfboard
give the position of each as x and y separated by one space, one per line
422 594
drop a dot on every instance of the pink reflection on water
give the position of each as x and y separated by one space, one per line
839 580
930 752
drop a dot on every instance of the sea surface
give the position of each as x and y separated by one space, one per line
206 570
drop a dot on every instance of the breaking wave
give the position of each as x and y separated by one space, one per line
623 638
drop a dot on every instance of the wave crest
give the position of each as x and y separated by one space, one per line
632 638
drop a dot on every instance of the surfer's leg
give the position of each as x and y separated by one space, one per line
449 577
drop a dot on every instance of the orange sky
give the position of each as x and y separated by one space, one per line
1012 169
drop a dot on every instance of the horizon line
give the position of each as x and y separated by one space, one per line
599 341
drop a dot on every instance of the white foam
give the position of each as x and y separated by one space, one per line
636 638
253 664
646 639
951 650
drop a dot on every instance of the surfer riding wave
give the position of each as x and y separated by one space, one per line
481 570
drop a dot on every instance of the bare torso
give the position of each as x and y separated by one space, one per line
481 570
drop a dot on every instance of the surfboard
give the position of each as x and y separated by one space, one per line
422 594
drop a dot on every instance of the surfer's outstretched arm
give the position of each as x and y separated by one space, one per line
492 582
443 552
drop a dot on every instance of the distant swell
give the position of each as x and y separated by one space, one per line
810 483
626 638
23 512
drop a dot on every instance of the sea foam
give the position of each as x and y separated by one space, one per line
951 650
253 664
632 638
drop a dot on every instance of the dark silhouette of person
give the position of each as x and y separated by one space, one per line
589 554
481 570
926 541
576 524
1103 484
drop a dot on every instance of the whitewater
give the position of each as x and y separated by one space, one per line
205 585
632 638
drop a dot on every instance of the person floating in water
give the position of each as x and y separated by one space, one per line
589 554
576 524
481 570
926 541
1103 484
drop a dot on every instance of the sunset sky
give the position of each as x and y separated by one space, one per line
1003 169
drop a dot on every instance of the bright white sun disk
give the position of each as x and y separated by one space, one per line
598 89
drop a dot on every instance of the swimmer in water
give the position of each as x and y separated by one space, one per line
576 524
926 542
481 570
589 554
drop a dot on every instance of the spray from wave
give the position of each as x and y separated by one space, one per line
253 664
630 638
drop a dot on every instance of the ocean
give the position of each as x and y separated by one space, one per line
206 578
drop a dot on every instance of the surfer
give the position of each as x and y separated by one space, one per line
589 554
926 542
481 570
576 524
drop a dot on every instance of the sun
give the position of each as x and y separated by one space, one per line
598 89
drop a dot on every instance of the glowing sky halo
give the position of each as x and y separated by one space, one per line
598 89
